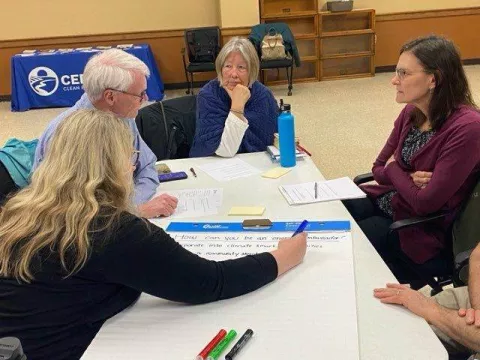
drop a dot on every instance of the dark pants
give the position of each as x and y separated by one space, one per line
376 226
7 186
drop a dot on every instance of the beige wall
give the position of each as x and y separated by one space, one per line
24 19
239 13
395 6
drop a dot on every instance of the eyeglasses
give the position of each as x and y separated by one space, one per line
240 68
402 73
135 157
142 96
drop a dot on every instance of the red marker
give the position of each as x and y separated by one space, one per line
206 350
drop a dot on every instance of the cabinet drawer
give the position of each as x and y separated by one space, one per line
346 22
304 26
347 45
285 7
346 67
307 47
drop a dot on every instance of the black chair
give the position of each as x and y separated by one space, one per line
168 127
463 237
256 36
7 185
202 46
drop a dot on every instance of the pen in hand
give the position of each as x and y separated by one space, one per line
300 229
193 172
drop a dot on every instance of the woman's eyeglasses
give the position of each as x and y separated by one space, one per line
240 68
402 73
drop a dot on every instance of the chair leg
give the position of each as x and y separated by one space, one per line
191 83
290 80
188 82
185 70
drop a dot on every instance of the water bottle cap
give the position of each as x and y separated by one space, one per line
286 107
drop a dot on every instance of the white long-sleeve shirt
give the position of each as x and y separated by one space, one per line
232 135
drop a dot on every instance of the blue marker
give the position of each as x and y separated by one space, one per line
300 229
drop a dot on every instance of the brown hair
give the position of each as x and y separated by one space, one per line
441 58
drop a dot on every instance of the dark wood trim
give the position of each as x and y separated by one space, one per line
410 15
82 39
391 68
471 61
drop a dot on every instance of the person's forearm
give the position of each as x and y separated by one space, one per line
232 136
474 279
455 327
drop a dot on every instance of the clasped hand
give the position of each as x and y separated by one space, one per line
472 316
421 178
239 95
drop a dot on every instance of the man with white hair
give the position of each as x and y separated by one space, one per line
115 81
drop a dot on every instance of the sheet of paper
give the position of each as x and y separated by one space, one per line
337 189
276 172
197 202
222 246
229 169
247 210
316 300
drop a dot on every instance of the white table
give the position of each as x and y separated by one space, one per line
385 331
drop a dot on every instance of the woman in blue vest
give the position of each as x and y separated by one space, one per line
235 112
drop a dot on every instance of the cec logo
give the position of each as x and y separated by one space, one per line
43 81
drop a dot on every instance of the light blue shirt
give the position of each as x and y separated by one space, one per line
145 175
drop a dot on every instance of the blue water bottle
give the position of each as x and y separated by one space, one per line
286 136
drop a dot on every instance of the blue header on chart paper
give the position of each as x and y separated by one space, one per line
343 225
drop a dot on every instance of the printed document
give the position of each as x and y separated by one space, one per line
229 169
310 192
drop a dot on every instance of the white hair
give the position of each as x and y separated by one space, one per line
111 69
248 52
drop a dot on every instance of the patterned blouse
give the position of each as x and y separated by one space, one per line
414 141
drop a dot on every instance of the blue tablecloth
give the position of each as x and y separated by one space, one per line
53 78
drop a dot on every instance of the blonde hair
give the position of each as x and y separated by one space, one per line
83 177
247 50
111 69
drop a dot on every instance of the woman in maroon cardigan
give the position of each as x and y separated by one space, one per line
430 162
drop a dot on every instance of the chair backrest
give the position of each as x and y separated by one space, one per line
259 31
466 227
168 127
203 44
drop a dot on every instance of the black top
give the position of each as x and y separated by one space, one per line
415 140
57 317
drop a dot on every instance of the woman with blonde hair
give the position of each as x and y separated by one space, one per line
73 253
235 112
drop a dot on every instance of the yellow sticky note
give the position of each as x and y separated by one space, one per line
275 172
246 210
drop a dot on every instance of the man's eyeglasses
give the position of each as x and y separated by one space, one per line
135 156
142 96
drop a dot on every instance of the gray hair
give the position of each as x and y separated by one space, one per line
247 50
111 69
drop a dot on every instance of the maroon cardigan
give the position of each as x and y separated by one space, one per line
453 155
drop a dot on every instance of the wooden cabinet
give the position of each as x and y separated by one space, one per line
302 18
347 44
331 45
